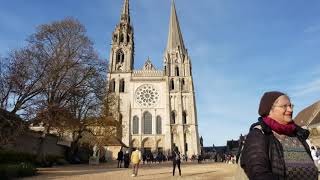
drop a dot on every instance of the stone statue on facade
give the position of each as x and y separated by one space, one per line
148 66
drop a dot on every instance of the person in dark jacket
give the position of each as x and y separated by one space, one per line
120 158
176 159
276 147
126 159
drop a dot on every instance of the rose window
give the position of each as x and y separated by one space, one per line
147 95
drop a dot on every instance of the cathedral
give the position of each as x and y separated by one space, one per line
157 107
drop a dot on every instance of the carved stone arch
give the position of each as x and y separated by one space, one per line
172 84
112 85
176 71
187 130
121 38
173 57
148 143
135 125
147 122
173 117
184 117
120 117
115 38
183 84
144 140
128 38
119 56
121 85
158 125
174 130
159 143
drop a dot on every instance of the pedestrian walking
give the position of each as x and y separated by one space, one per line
176 159
120 158
135 160
126 159
275 147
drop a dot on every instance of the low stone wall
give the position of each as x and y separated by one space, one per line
29 143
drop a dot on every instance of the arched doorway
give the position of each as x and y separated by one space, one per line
159 146
148 145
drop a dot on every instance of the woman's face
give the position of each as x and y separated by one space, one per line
282 110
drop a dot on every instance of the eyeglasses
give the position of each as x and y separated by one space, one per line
285 106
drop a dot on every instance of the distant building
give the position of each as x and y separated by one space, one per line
310 119
232 147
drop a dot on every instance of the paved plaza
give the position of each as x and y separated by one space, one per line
207 170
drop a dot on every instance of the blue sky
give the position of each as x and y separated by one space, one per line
238 49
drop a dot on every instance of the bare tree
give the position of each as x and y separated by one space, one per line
71 68
59 80
25 77
5 85
87 105
69 63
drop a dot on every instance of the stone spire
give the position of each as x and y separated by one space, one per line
121 54
175 37
125 14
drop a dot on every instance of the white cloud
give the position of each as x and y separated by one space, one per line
312 86
312 29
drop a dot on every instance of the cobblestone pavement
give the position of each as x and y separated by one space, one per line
207 170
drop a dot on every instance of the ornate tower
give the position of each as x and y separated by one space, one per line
177 69
120 68
121 54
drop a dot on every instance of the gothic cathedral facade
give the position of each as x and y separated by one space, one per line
157 107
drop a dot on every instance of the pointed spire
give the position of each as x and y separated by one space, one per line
175 37
125 14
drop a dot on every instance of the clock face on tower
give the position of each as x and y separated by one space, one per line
147 95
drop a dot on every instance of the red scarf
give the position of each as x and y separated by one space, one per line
287 129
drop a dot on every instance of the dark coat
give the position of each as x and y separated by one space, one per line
262 155
175 156
126 160
120 155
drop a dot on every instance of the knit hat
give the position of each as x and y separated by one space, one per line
267 101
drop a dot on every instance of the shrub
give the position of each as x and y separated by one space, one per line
61 161
16 157
13 157
8 171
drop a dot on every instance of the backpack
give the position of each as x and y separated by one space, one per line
177 156
240 174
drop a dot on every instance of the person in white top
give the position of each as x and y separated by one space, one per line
315 158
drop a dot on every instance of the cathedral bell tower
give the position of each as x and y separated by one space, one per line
177 69
122 47
176 60
119 74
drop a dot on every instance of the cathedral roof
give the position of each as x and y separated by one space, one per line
175 36
309 115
